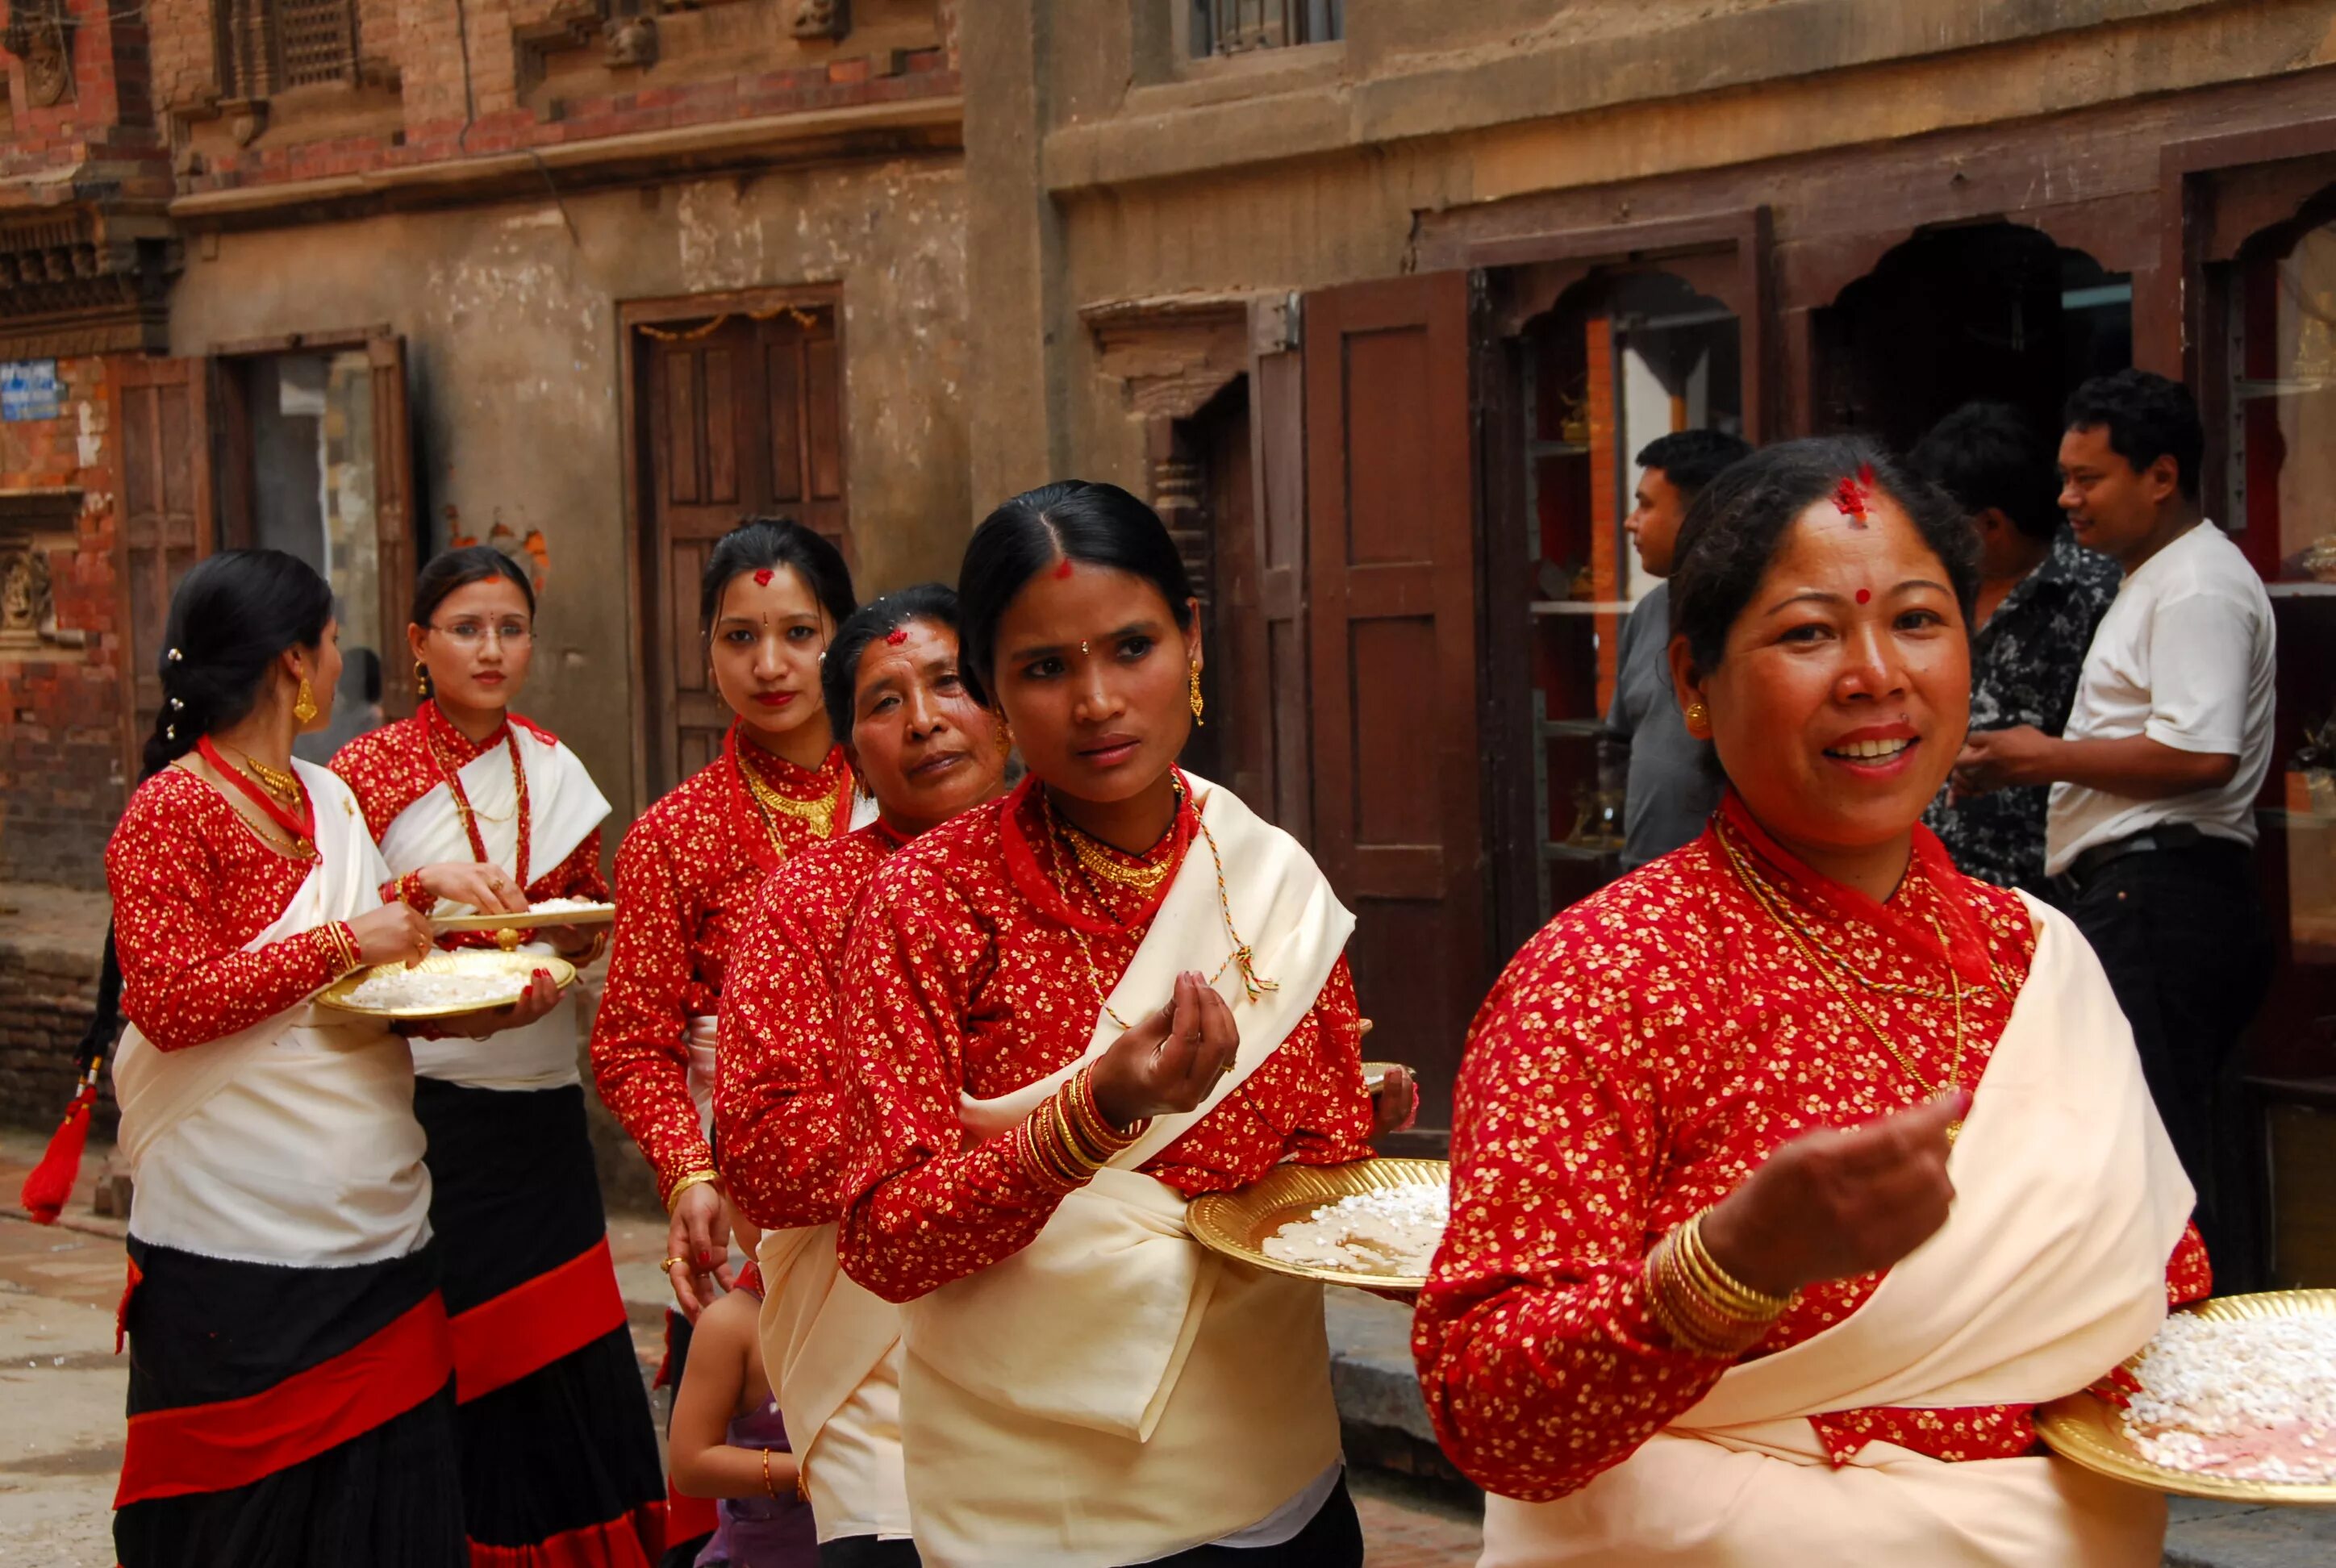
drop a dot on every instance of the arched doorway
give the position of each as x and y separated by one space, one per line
1990 311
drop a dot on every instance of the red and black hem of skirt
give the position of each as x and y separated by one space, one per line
557 1447
283 1417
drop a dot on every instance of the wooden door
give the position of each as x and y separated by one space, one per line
165 515
745 420
1392 597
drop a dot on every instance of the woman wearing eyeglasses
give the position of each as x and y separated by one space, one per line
478 810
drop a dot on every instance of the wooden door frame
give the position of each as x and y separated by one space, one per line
125 371
632 400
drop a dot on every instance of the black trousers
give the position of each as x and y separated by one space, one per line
1333 1538
2181 932
868 1551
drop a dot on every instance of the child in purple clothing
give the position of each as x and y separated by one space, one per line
728 1443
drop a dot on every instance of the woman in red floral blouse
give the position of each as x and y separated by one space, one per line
1792 1170
476 809
291 1394
1047 1067
927 750
769 598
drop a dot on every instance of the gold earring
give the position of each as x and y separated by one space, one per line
1197 704
421 678
304 702
1699 720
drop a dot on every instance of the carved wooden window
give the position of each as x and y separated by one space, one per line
268 45
1239 27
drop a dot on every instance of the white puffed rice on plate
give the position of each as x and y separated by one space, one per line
1388 1231
2249 1399
429 988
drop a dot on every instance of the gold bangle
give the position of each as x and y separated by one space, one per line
1026 1151
1059 1160
1672 1313
1067 1132
1101 1134
1733 1296
694 1179
767 1476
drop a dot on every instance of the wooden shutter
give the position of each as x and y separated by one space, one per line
396 532
1277 425
166 523
1392 595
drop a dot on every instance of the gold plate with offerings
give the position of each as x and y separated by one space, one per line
1237 1225
349 993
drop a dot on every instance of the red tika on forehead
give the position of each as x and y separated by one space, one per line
1850 496
763 578
1062 568
896 636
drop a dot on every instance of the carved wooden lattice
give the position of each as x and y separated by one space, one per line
267 46
317 41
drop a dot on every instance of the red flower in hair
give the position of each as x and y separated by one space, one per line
763 578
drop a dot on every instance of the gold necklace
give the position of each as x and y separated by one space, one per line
819 813
1766 901
1253 984
281 783
1143 878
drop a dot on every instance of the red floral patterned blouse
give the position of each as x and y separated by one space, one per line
978 964
686 874
1640 1056
781 1106
390 768
192 882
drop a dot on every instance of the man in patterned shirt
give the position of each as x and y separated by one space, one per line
2041 594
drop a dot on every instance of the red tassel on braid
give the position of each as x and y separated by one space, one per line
50 1186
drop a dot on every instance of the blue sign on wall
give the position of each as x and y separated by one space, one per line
28 390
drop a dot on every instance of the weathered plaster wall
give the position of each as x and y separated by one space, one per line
510 316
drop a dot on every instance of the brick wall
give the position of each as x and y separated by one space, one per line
714 62
61 762
47 994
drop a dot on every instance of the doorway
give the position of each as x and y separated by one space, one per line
737 411
1990 311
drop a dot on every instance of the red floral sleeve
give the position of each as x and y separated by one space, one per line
640 1036
924 1209
190 887
1540 1362
782 1110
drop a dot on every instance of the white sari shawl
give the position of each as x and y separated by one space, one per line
294 1141
564 805
2050 1270
1113 1393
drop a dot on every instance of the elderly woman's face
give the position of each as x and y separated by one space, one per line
1845 689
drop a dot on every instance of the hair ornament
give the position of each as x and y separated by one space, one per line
169 732
896 637
175 656
177 705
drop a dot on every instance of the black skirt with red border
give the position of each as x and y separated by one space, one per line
557 1447
285 1417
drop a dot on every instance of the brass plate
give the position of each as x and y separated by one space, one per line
1236 1225
595 915
2088 1431
336 995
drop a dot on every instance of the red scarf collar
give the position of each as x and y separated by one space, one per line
303 828
1035 873
1966 951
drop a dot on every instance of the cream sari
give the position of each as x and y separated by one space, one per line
1113 1393
2050 1270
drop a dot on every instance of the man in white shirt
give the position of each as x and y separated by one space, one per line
2150 833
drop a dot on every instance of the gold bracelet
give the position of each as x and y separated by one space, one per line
1100 1134
1026 1150
1665 1304
694 1179
1053 1148
1732 1296
773 1491
1066 1128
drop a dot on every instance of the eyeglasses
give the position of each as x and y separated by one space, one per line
472 633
